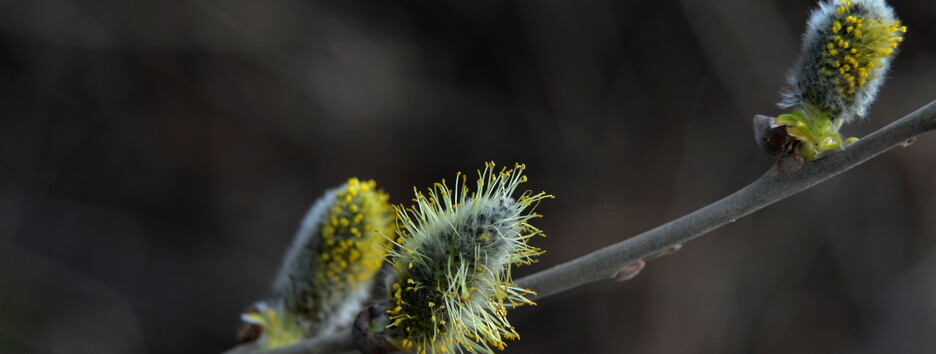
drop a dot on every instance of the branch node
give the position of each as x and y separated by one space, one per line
630 271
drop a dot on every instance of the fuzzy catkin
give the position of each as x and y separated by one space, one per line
846 53
329 269
452 281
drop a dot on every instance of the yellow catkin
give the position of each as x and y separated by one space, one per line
846 53
856 46
847 50
328 272
452 280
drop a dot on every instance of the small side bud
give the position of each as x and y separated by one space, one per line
249 331
774 140
365 339
630 271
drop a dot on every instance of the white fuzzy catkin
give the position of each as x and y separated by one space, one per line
452 267
328 271
846 53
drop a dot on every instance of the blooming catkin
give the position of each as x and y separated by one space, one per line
328 271
452 280
847 49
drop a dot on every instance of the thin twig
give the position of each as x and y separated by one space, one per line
778 183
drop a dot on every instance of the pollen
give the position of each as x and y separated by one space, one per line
354 255
329 270
452 269
872 40
846 52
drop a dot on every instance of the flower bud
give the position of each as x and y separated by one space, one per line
328 272
847 49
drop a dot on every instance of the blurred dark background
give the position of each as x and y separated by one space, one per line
156 157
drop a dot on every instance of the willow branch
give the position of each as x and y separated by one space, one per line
778 183
783 180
